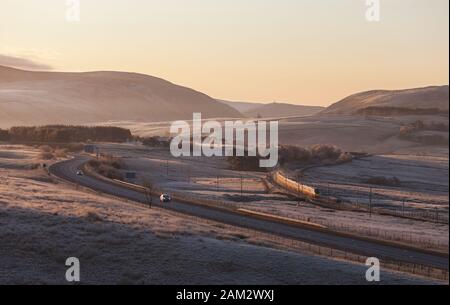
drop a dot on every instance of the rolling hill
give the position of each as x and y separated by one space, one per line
40 98
282 110
273 110
241 106
419 98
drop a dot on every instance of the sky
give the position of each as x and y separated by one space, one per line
312 52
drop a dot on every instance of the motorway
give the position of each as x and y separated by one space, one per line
66 170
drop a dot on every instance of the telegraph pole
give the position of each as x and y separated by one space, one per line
167 167
403 208
242 187
217 180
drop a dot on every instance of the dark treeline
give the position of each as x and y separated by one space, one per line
67 134
377 110
155 141
4 135
246 163
411 132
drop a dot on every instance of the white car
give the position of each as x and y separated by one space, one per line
165 198
80 173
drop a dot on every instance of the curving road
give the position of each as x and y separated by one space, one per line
67 170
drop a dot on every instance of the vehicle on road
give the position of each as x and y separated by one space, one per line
80 173
165 198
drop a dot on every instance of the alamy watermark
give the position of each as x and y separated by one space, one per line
73 272
73 10
373 10
230 138
373 273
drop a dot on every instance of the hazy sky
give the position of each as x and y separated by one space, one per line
300 51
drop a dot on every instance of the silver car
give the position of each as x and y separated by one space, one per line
165 198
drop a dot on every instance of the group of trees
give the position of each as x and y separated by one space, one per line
245 163
314 154
386 111
4 135
66 134
155 142
321 153
411 132
108 166
385 181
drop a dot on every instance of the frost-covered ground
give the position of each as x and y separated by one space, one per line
210 178
423 181
42 223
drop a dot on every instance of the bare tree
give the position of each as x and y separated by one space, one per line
149 190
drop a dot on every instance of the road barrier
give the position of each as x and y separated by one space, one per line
304 246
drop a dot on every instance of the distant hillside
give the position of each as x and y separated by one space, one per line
282 110
395 101
41 98
242 106
273 109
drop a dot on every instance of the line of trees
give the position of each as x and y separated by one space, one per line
411 132
320 153
385 111
66 134
4 135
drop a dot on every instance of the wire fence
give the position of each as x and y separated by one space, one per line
301 246
390 235
305 247
365 201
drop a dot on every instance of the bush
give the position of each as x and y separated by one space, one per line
94 163
155 142
394 181
74 147
60 153
109 172
107 166
45 148
4 135
345 157
322 152
46 156
290 153
244 163
387 111
315 154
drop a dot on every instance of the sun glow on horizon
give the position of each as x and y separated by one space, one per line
305 52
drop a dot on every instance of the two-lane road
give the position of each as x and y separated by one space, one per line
67 170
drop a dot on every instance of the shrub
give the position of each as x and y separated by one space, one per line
93 217
386 111
290 153
74 147
46 156
385 181
4 135
45 148
94 163
316 154
324 152
107 166
345 157
60 153
244 163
